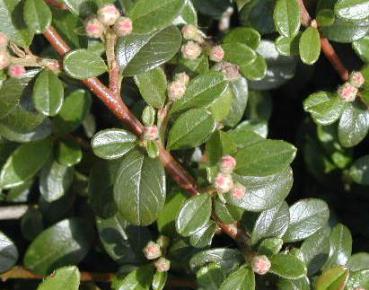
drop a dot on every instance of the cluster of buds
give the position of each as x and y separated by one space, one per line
230 70
349 90
151 133
107 16
260 265
177 88
154 251
192 49
191 32
216 53
223 182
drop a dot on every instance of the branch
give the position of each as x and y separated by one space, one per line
114 75
122 112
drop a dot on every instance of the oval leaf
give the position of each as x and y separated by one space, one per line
287 266
37 15
67 278
309 45
352 9
242 279
287 17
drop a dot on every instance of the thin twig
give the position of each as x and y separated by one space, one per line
114 75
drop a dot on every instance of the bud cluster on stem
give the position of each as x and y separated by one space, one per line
231 71
155 250
349 90
260 265
195 37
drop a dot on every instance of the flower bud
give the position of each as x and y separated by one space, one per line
347 92
191 50
4 59
152 251
108 14
3 40
231 71
53 65
163 242
151 133
176 90
16 71
191 32
183 77
94 28
216 54
238 191
357 79
223 183
227 164
162 265
123 26
260 264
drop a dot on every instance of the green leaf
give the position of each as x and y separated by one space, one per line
139 53
307 216
12 23
139 279
48 93
287 17
361 48
194 215
24 163
359 261
270 246
359 170
255 70
70 239
140 189
191 129
264 158
188 15
204 236
83 64
271 223
153 87
154 15
84 8
159 280
309 45
113 143
201 91
334 278
67 278
240 92
242 279
37 15
238 53
8 253
245 35
287 266
69 153
210 276
288 46
32 223
219 144
299 284
358 279
55 180
263 192
352 9
221 107
324 107
353 125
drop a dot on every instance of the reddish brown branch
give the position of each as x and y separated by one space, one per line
305 16
57 4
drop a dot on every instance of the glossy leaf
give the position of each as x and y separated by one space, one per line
37 15
352 9
358 261
245 35
334 278
242 279
358 279
204 236
287 17
67 278
310 45
238 53
8 253
287 266
159 280
240 92
210 276
69 153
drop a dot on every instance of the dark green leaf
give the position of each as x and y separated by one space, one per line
287 266
258 15
204 236
240 92
270 246
8 253
238 53
159 280
352 9
299 284
287 17
310 45
359 170
227 213
139 279
242 279
67 278
69 153
37 15
210 277
361 48
32 223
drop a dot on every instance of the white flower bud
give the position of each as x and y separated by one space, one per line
238 191
94 28
183 77
3 40
191 32
357 79
4 59
191 50
108 14
162 265
227 164
176 90
347 92
216 54
223 183
151 133
123 26
16 71
260 264
152 251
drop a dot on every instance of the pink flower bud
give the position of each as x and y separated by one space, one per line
176 90
94 28
183 77
216 54
223 183
347 92
151 133
162 265
357 79
4 59
227 164
191 32
238 191
16 71
3 40
123 26
152 251
260 264
231 71
191 50
108 14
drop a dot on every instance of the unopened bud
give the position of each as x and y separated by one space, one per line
3 40
223 183
162 265
163 242
16 71
108 14
183 77
151 133
216 54
94 28
53 65
238 191
260 264
357 79
123 26
347 92
191 32
227 164
231 71
191 50
4 59
176 90
152 251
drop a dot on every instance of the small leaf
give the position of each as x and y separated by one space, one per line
334 278
191 129
358 279
256 70
48 93
242 279
69 153
238 53
359 170
287 266
352 9
310 45
306 217
8 253
194 215
159 280
245 35
361 48
203 237
270 246
287 17
67 278
113 143
139 279
210 276
37 15
83 64
359 261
